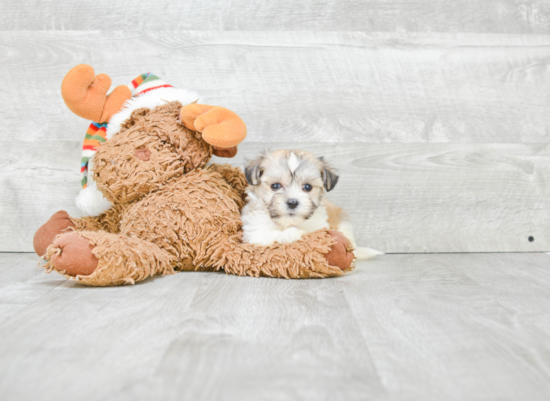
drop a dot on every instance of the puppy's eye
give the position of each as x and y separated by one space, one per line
276 186
306 187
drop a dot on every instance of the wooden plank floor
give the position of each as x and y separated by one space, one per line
401 327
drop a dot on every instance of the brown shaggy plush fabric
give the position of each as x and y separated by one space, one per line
172 213
174 151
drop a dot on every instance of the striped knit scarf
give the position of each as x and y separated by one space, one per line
97 132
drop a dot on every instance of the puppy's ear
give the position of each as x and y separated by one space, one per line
253 171
329 175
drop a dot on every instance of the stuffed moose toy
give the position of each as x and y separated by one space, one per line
153 205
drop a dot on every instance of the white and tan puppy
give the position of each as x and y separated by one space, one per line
286 199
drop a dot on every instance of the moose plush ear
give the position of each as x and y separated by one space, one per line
330 176
254 171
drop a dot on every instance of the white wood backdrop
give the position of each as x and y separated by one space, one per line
436 113
487 16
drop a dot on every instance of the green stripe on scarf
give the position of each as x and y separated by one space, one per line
96 137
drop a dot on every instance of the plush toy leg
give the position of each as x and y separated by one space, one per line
45 235
61 222
323 253
73 254
102 259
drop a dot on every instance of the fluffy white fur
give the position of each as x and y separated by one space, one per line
260 229
267 218
90 200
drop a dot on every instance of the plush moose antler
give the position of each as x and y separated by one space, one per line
220 127
85 94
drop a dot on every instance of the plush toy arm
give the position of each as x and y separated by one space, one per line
234 177
323 253
220 127
108 221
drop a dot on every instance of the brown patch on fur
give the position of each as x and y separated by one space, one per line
335 214
143 154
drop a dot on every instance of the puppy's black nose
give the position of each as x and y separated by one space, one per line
292 203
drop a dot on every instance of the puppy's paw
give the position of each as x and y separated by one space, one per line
290 235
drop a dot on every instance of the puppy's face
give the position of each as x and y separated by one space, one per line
291 184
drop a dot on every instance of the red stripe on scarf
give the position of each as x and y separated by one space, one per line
156 87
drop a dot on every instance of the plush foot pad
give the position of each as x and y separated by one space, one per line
46 234
341 254
73 255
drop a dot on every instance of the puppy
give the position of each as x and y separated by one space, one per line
286 199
